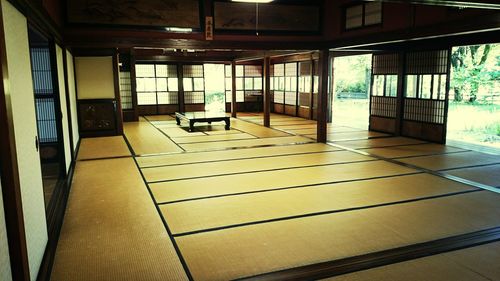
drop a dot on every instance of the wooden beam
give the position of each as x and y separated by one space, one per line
180 78
267 92
233 91
324 70
133 86
484 4
118 102
400 93
11 186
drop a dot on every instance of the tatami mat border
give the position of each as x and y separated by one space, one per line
327 212
371 260
261 171
285 188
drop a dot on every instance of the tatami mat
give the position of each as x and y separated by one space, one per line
249 250
295 126
449 161
356 135
205 138
478 263
112 230
256 130
489 175
197 157
244 143
412 150
175 132
103 147
196 188
159 117
249 165
146 139
379 142
218 212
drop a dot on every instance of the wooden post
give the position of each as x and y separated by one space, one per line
400 93
324 61
180 83
233 91
118 99
133 85
311 90
267 91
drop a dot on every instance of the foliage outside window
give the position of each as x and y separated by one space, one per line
385 85
426 86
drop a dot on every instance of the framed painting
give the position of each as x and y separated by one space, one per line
143 13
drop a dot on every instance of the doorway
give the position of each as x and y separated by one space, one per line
215 87
351 88
48 115
474 99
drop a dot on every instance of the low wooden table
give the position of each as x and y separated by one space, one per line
202 116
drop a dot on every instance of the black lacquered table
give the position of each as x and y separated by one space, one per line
202 116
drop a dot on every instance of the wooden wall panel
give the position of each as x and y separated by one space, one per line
159 13
425 131
272 17
382 124
168 108
290 110
304 112
278 108
194 107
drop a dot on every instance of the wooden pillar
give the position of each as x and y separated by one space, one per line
233 91
133 85
267 91
9 173
118 99
400 93
324 70
180 83
311 90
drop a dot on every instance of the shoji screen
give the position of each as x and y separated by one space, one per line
64 109
383 99
24 119
426 95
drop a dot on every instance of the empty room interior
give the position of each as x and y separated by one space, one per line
340 140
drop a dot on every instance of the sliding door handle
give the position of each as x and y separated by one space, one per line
37 143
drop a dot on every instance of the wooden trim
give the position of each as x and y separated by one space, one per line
118 103
233 90
311 90
39 17
180 78
11 187
267 91
322 109
386 257
68 102
133 86
54 232
447 97
400 93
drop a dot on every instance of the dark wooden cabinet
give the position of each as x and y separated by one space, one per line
97 117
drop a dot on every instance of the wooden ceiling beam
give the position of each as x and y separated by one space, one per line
486 4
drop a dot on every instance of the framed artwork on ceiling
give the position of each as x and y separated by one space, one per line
139 13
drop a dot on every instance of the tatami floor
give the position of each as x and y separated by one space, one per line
162 203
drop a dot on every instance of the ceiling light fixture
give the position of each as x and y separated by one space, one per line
253 1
